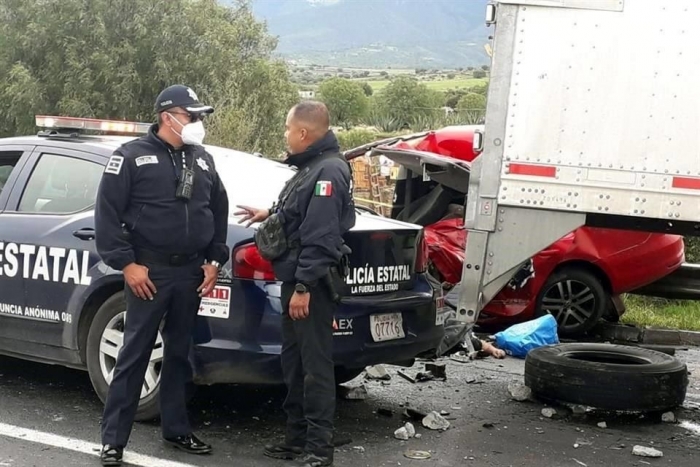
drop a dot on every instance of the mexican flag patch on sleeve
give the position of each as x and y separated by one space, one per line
323 188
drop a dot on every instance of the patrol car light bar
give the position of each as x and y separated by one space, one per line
92 124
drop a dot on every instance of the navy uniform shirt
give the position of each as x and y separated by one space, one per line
137 207
319 211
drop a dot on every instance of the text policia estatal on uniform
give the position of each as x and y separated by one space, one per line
51 264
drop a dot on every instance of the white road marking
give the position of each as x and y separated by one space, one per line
81 446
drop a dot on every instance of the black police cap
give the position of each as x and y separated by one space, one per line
181 96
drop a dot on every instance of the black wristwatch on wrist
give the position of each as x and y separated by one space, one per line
301 288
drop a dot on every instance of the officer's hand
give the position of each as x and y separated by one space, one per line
251 215
136 276
211 273
299 306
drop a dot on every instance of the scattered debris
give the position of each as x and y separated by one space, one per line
420 455
579 462
472 380
58 418
576 445
461 357
488 425
377 372
435 421
578 409
455 408
438 370
359 449
643 451
418 436
402 434
549 412
602 425
357 393
410 429
519 392
385 412
668 417
406 432
405 376
424 376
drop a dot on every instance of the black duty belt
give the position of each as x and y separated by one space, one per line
150 256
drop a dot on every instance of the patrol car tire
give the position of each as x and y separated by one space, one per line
149 406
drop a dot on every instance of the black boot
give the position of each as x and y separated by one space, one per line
111 455
314 460
190 444
283 451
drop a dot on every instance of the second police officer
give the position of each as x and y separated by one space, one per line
161 217
303 237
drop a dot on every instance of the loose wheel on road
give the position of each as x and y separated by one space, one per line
606 376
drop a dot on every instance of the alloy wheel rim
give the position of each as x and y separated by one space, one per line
571 302
111 343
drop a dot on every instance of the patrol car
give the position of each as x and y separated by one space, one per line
60 304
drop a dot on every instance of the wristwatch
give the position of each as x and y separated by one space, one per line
216 264
301 288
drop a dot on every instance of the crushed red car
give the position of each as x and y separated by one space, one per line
578 279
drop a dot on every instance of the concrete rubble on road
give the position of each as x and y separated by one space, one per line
406 432
359 449
377 372
643 451
519 392
435 421
357 393
549 412
602 425
668 417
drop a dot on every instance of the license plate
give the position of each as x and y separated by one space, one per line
386 327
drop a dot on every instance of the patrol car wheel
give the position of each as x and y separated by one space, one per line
105 340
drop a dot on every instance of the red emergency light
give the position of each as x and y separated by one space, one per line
92 124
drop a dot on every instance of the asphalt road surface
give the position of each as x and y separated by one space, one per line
49 416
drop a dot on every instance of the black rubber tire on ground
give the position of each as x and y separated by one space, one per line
149 407
606 376
578 289
343 374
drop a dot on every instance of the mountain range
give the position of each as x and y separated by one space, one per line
378 33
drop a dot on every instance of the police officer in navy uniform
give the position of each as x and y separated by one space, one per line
161 218
317 213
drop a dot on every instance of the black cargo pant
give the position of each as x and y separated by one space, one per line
178 301
308 368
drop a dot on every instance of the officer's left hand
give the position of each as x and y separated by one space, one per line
299 306
211 273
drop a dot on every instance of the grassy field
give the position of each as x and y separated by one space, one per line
442 85
660 313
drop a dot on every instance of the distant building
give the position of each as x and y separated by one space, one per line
307 94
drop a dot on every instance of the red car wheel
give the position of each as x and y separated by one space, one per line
576 298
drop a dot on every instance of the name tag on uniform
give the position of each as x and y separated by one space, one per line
143 160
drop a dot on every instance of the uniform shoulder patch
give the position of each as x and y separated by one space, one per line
114 166
323 188
142 160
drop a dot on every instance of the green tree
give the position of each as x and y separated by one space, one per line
367 88
346 101
479 74
406 100
110 58
471 101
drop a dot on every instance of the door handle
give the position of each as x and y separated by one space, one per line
85 234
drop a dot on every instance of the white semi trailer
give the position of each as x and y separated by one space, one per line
593 118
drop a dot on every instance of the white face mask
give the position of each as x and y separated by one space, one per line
192 133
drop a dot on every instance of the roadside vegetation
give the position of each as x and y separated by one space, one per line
662 313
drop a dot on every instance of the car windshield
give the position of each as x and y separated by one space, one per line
249 180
